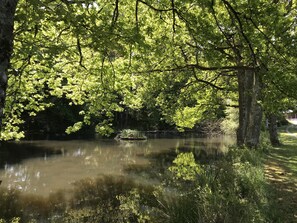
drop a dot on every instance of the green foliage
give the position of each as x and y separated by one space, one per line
131 134
244 155
132 207
77 126
87 215
67 51
13 220
180 64
185 167
229 124
101 200
186 117
229 190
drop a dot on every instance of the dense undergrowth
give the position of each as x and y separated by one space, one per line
231 188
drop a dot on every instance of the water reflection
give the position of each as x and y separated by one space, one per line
15 152
66 162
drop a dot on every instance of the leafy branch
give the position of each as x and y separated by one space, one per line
80 53
200 67
236 14
154 8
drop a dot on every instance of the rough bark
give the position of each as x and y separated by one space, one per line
7 11
272 129
250 111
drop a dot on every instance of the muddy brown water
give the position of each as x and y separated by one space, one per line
44 167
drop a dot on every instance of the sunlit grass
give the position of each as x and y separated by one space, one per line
281 170
287 153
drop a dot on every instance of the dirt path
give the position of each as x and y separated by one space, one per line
281 173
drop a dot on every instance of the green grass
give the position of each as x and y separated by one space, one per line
287 153
281 173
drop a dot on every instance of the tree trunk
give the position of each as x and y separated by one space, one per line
7 11
272 128
250 111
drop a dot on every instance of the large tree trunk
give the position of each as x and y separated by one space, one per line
250 111
272 128
7 11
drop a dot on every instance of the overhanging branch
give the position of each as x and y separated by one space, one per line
207 82
136 15
199 67
241 29
80 53
115 13
154 8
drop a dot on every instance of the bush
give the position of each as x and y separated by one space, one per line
229 124
13 220
131 134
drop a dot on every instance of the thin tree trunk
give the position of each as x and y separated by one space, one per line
272 128
250 111
241 131
7 11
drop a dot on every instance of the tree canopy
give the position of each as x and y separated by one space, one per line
187 60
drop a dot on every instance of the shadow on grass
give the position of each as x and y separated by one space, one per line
281 172
286 154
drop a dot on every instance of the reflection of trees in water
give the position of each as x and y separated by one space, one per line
134 143
13 152
96 199
102 191
91 200
204 152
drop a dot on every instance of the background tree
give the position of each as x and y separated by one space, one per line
67 50
221 42
7 10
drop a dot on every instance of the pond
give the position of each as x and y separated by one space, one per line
44 167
